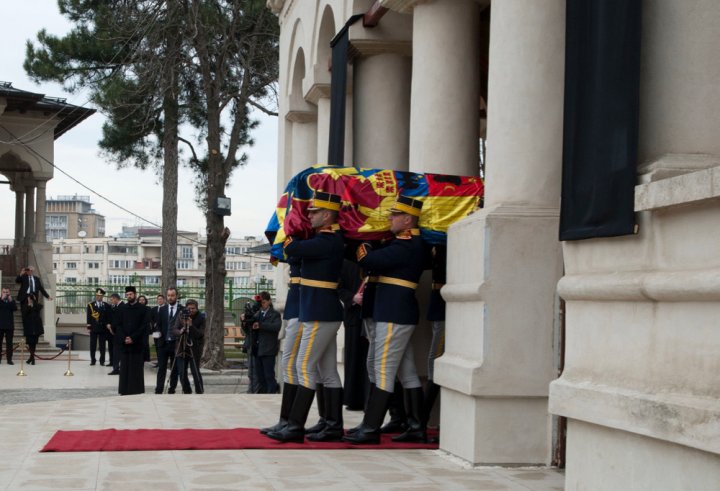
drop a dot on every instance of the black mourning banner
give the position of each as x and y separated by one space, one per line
602 74
338 92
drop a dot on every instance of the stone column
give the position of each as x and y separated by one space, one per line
323 129
29 214
382 115
304 141
40 213
444 124
501 298
19 218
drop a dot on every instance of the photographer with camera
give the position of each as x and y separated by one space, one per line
190 326
246 322
265 345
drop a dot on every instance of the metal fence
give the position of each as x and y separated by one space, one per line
72 298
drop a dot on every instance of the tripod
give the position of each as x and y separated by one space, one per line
184 351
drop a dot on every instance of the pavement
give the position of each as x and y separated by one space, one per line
33 407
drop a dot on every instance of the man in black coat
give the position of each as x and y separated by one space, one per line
7 323
167 341
154 318
97 318
356 345
266 327
114 341
29 283
134 324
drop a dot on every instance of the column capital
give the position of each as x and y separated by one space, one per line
317 91
301 116
402 6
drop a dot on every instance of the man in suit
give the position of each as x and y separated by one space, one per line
7 323
29 283
166 341
266 326
116 305
97 318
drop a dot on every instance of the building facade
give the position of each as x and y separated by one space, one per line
70 217
135 256
427 80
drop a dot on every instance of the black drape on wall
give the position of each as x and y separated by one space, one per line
338 92
602 74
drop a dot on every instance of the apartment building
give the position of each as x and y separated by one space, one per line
134 256
73 216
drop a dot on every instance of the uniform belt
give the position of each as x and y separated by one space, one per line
437 286
294 280
318 284
397 282
373 279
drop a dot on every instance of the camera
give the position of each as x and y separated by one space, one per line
185 314
251 308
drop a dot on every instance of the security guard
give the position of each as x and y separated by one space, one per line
320 317
293 334
97 315
396 313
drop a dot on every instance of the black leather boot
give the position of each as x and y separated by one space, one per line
367 401
320 425
398 416
288 396
294 430
333 431
369 431
416 431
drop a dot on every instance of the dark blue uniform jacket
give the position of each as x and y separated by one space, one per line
292 301
436 307
403 259
322 258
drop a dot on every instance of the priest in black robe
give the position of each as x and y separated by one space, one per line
134 324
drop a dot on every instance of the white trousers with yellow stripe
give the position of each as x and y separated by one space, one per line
394 356
317 355
369 326
290 351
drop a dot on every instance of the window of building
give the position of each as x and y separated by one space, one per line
93 265
70 265
94 281
152 280
184 264
181 282
120 264
54 265
186 252
70 279
122 249
119 279
99 249
241 280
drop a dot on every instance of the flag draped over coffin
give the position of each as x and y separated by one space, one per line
367 196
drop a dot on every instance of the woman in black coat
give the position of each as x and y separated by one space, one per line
32 324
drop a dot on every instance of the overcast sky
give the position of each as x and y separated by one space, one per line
252 188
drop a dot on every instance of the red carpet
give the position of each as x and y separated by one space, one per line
222 439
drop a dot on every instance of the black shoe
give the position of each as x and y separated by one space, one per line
294 431
109 364
171 391
102 362
32 361
158 391
320 425
333 431
369 430
10 362
416 431
288 396
114 372
92 363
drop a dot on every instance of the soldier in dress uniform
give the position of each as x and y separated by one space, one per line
320 316
396 313
292 346
97 319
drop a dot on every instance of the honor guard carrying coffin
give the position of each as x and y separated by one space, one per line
292 345
320 316
398 266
